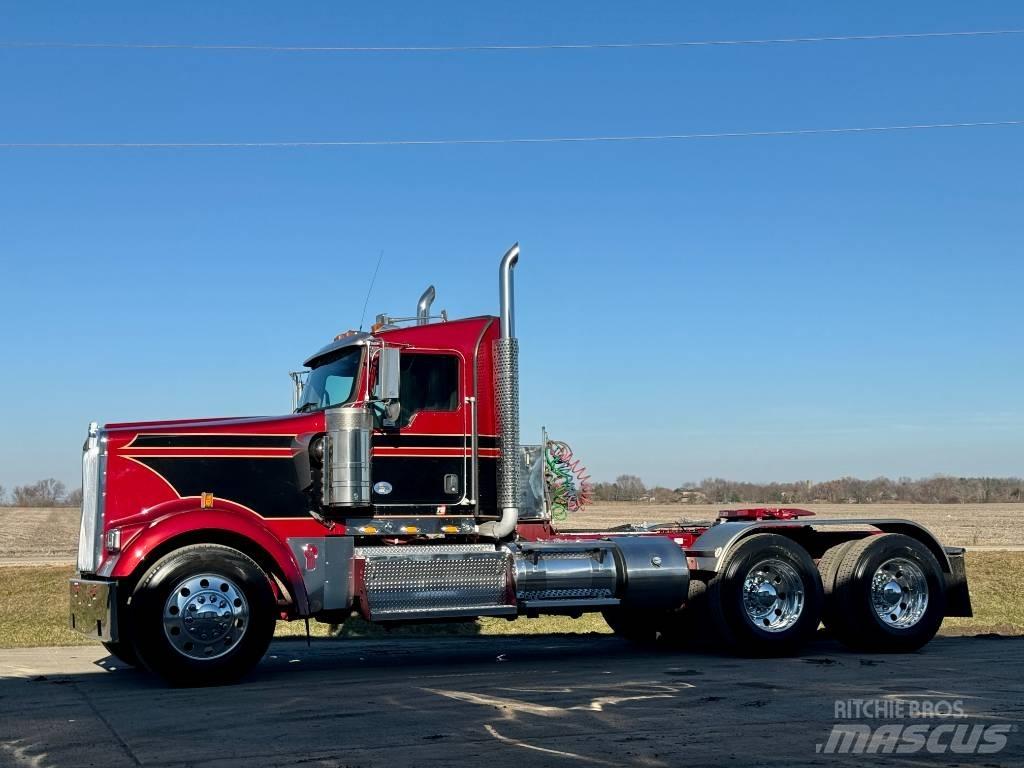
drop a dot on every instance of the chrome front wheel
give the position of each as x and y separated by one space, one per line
205 616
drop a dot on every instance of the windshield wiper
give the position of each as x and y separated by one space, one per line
306 407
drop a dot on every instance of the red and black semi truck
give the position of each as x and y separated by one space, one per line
398 490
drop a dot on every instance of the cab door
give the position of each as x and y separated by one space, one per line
423 460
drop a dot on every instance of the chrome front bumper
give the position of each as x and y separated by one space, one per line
93 608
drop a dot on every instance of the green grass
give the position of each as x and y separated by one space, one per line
994 579
34 606
34 609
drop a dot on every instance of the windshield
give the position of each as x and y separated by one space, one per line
332 382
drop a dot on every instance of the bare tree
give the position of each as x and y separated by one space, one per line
44 493
631 487
74 498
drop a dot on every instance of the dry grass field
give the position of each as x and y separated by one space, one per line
963 525
43 533
51 534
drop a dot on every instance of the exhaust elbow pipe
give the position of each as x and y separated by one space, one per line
506 292
423 306
506 393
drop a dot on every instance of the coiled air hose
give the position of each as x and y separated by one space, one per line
568 484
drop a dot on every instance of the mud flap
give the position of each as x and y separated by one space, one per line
958 598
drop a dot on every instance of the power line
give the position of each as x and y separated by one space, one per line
501 47
519 140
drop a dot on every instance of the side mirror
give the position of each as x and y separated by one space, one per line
389 373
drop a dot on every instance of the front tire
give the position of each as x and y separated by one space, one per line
123 652
202 615
766 598
889 595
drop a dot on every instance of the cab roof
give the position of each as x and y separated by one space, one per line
456 334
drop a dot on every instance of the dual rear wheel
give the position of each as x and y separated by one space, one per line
885 593
882 593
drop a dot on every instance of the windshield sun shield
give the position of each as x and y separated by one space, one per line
332 382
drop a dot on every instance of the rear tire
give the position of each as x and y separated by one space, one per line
766 598
635 626
203 615
673 629
889 595
828 567
687 627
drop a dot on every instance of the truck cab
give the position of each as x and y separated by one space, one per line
426 388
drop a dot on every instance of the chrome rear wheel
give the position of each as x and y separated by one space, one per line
889 595
899 592
766 598
773 595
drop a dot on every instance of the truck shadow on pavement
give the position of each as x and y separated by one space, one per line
549 700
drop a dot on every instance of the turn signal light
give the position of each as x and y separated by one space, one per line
367 529
450 528
113 540
410 529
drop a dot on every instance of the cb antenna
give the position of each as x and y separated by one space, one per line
373 280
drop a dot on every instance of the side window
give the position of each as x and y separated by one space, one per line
428 383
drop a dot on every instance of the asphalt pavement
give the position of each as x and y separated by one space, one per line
511 701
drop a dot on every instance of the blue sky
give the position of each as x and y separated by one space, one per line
755 308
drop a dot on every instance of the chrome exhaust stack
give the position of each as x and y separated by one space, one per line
506 384
423 306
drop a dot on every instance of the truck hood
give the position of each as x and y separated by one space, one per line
293 423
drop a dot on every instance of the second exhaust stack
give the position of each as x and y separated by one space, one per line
423 306
506 382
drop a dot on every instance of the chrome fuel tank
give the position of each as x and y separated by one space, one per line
561 571
642 572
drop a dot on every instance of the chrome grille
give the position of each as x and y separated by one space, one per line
90 535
